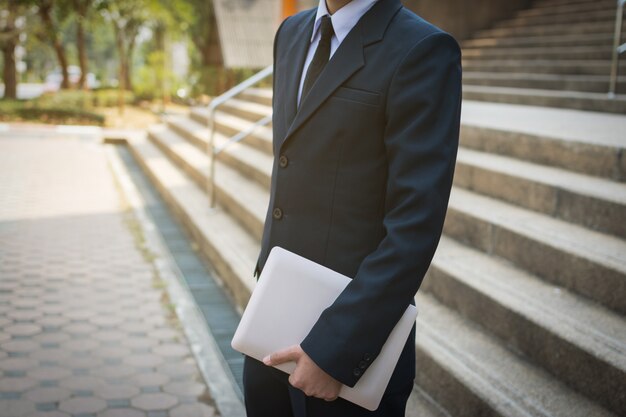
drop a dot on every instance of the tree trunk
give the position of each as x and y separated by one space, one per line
9 73
119 41
51 33
81 9
9 41
128 62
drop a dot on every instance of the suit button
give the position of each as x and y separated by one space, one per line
283 161
362 364
367 357
357 371
277 213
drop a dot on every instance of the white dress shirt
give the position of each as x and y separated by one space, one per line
343 21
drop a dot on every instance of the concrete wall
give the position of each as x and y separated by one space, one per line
459 17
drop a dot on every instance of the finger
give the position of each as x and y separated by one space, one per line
287 355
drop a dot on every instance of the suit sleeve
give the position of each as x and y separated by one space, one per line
421 141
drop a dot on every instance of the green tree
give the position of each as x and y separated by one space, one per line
197 19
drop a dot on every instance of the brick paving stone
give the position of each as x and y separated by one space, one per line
79 328
144 360
113 371
154 401
49 372
52 337
139 342
17 364
86 362
47 394
172 350
164 333
16 407
109 335
113 351
150 379
114 392
13 384
83 330
174 368
80 345
122 412
22 329
185 388
193 410
78 405
52 320
24 314
82 382
19 346
53 413
50 354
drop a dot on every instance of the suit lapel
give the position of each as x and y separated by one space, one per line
296 56
346 60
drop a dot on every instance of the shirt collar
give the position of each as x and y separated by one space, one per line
344 19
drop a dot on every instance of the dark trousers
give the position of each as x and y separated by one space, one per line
268 393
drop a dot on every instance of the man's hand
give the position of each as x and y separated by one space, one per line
307 377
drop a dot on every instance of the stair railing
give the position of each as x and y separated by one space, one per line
218 101
617 48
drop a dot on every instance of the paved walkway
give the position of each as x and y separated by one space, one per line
85 327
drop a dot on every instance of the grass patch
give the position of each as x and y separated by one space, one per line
70 107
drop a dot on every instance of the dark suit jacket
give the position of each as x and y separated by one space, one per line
363 170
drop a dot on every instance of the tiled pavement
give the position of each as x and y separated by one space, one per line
85 326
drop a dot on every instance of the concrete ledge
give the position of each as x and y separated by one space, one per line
211 363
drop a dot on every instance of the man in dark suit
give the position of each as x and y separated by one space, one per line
367 99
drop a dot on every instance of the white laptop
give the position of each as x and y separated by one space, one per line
289 297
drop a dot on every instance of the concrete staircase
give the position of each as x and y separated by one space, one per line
522 310
556 53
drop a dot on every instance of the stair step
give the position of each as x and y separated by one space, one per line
250 161
229 248
544 52
549 29
542 66
243 198
588 201
595 263
586 158
587 142
587 83
550 98
473 374
594 39
606 16
552 9
246 109
574 339
258 95
420 404
229 125
538 4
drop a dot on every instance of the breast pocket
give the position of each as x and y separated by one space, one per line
356 95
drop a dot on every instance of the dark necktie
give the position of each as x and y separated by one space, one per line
322 54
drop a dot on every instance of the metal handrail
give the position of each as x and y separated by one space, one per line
617 48
218 101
